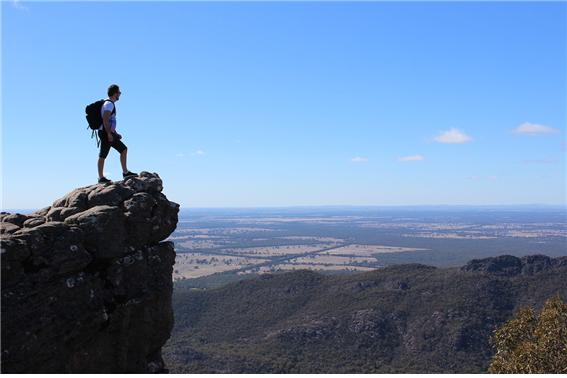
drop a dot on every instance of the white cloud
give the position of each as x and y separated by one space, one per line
359 159
411 158
527 128
199 152
453 136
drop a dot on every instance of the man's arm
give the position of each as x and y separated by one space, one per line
105 121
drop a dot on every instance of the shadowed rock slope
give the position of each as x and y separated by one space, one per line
400 319
86 282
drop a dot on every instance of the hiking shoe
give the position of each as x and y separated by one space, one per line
103 180
128 174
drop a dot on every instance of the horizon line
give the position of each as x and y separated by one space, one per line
554 205
377 206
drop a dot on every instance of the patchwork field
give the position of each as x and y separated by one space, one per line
216 246
280 250
447 235
192 265
286 267
369 250
323 259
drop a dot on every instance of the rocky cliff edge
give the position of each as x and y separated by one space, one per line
86 282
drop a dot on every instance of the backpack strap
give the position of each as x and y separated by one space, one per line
113 106
113 110
95 133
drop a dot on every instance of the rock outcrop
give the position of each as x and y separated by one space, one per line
86 282
507 265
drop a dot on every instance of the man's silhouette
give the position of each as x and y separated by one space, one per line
108 135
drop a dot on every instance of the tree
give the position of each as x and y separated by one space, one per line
529 343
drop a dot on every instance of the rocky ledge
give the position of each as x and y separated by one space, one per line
507 265
86 282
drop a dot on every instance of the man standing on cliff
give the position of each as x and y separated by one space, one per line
108 135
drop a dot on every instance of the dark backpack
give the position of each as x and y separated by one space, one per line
94 118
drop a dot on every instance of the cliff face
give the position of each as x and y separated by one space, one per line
86 282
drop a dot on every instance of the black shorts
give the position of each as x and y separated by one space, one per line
105 144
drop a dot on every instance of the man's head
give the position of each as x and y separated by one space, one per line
114 92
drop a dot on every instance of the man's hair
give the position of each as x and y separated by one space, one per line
112 90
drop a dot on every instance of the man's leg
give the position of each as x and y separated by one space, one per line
104 148
119 146
100 167
123 156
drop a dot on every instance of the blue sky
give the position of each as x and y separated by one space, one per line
291 104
